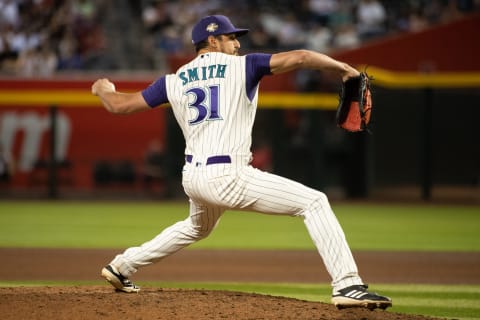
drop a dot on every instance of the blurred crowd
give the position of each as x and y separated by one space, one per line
41 37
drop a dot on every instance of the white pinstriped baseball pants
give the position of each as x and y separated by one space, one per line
215 188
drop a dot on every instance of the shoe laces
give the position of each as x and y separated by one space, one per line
363 287
127 283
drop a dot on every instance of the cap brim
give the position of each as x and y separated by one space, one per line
240 32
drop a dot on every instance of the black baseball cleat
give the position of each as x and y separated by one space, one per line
115 278
357 296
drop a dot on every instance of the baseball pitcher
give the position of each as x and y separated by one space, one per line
214 100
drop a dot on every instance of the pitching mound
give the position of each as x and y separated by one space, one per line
95 302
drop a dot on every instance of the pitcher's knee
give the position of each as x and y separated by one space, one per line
318 204
198 232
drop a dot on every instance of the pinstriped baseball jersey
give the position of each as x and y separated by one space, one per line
214 99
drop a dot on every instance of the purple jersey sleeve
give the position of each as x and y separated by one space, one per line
257 66
156 93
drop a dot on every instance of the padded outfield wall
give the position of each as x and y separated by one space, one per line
424 131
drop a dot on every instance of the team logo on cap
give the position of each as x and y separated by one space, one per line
212 27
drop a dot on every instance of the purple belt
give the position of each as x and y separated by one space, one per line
211 160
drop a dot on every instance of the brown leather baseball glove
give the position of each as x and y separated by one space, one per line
355 105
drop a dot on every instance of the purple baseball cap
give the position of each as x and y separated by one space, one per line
213 26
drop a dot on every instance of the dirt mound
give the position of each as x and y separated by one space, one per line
95 302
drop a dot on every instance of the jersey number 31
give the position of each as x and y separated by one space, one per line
207 109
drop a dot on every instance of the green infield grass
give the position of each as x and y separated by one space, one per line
106 224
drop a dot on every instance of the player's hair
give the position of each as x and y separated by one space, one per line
201 45
204 44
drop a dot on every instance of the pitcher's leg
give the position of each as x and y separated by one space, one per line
201 221
269 193
329 238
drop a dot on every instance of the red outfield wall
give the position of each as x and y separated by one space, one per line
85 131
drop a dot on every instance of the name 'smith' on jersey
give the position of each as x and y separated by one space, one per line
219 89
